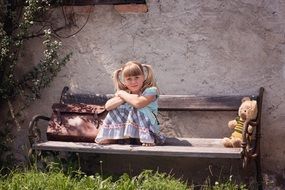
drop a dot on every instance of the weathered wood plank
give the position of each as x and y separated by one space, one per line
174 102
201 103
210 148
199 142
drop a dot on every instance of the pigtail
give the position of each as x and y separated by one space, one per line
117 82
149 80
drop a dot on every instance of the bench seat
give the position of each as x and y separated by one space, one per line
177 147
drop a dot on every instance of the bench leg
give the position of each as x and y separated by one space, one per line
41 159
258 173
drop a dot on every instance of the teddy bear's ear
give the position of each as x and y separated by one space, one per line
245 99
254 103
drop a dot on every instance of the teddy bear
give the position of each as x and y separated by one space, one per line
247 111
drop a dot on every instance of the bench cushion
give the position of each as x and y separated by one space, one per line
75 122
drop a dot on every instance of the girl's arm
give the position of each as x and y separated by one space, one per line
113 103
134 99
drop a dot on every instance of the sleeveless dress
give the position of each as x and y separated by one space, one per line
127 121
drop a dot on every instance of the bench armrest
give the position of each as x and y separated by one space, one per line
34 131
249 148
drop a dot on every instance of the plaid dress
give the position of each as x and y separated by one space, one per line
128 122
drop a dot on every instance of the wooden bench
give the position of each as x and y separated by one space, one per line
177 147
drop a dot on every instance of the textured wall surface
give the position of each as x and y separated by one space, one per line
195 47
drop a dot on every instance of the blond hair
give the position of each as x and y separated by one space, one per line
133 68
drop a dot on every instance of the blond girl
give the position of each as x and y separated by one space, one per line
133 109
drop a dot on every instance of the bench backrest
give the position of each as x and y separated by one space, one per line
211 103
173 102
199 103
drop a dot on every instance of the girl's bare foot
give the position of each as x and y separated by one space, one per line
106 141
148 144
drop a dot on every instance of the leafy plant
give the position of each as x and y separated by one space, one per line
43 73
16 22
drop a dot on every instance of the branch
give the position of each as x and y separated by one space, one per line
11 109
42 33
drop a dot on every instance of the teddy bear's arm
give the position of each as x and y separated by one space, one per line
232 124
250 129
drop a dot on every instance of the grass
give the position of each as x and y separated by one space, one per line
55 179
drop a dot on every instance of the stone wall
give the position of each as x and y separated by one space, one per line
196 47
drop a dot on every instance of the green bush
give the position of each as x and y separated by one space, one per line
19 90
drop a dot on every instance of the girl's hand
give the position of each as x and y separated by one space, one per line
121 93
114 103
134 99
117 93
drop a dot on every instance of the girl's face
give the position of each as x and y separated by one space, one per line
134 83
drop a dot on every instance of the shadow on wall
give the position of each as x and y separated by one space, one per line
196 124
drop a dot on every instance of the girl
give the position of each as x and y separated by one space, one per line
133 109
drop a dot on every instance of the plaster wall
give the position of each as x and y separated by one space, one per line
195 47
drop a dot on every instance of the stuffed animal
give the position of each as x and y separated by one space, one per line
247 110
